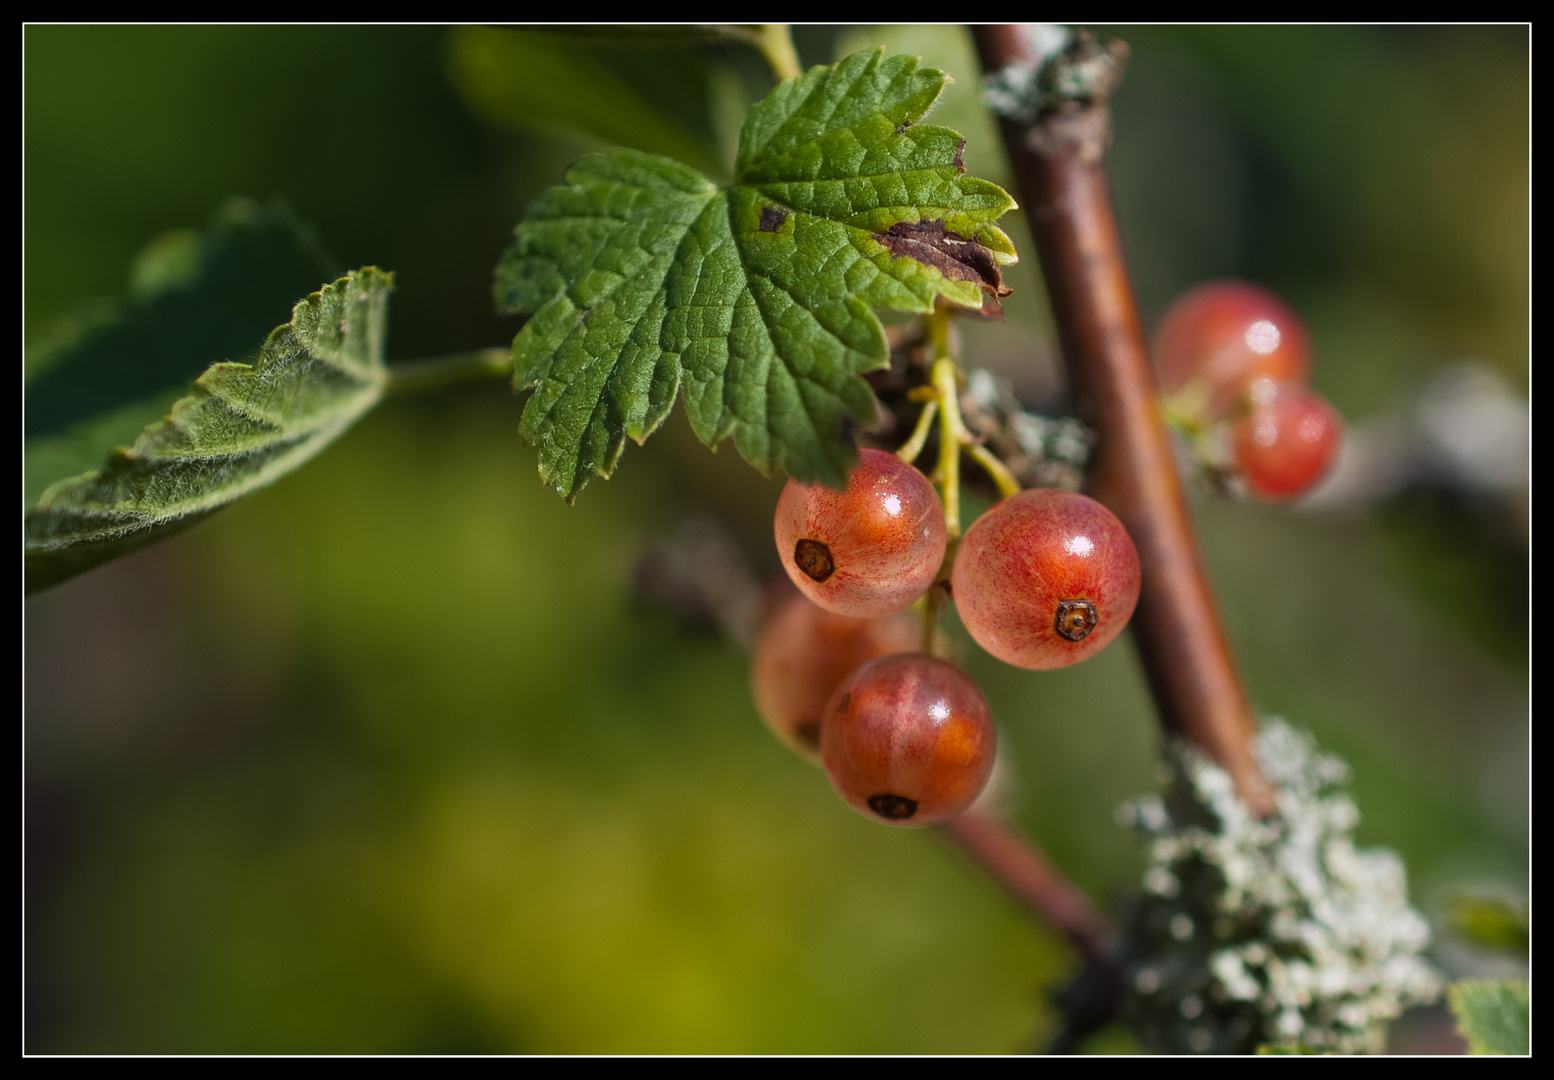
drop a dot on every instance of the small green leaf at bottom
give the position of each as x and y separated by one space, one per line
1493 1016
1295 1049
240 427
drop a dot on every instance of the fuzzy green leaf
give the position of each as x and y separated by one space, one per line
1493 1016
112 366
194 298
240 427
756 300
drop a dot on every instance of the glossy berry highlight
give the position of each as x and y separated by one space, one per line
1229 334
1046 578
804 653
908 740
867 551
1286 441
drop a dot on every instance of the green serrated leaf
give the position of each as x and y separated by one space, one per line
1494 1017
240 427
952 49
756 300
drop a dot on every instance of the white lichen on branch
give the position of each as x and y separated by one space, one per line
1062 66
1042 451
1255 931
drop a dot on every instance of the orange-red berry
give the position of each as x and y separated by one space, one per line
1046 578
908 740
869 550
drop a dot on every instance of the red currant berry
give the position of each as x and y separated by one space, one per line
804 653
1286 441
1229 334
908 739
1046 578
866 551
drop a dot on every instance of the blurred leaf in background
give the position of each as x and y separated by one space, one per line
1491 921
629 95
385 758
193 300
108 368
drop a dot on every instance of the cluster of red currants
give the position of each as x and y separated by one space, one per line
1231 352
1042 580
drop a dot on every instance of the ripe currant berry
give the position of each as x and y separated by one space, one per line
1230 334
866 551
1286 441
804 653
908 740
1046 578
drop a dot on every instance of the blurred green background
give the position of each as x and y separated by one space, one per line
386 758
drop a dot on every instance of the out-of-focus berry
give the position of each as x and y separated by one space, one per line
1286 441
804 652
1226 335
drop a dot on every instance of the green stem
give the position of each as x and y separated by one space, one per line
934 599
1006 482
944 384
413 376
775 40
952 437
914 446
1186 412
952 432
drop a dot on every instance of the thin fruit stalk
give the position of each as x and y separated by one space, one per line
1059 162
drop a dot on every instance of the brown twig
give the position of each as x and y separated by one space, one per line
1059 164
1025 872
1089 1001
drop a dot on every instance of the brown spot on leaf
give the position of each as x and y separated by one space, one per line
894 807
957 258
772 218
814 558
960 161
